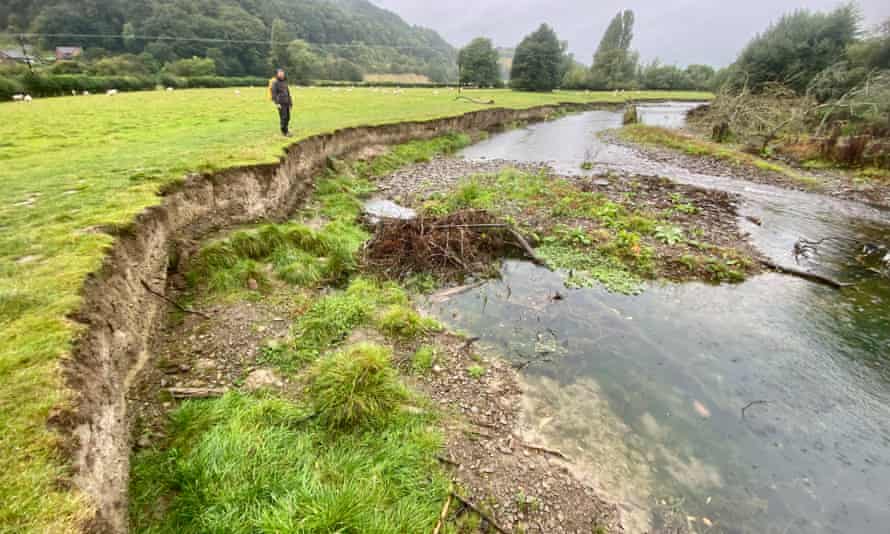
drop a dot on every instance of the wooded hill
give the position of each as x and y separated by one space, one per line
354 33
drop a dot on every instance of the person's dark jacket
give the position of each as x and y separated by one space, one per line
281 93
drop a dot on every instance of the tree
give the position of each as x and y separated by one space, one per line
794 50
478 62
301 64
196 66
538 62
614 64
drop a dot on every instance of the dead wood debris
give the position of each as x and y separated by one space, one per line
454 246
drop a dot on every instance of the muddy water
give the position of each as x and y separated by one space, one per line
646 393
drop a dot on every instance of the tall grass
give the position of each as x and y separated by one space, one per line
244 464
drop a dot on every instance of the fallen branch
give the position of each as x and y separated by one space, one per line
473 100
752 403
481 514
525 246
516 235
197 393
545 450
446 294
171 301
443 514
807 275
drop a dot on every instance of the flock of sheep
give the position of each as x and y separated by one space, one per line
26 98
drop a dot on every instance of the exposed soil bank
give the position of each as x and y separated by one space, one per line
120 313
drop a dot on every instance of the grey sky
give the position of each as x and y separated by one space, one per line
676 31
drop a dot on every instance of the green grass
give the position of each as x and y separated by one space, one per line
246 464
296 253
402 322
356 386
424 359
694 146
69 166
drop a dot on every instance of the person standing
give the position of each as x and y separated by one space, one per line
281 97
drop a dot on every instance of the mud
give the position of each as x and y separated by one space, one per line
119 315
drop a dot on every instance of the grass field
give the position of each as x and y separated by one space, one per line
70 165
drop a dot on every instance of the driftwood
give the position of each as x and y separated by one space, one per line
171 301
443 515
488 519
521 241
446 294
807 275
545 450
197 393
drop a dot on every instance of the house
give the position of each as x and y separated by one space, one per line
67 52
16 56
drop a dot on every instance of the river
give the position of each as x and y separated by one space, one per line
647 392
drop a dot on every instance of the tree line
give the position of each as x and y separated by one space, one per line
541 62
319 39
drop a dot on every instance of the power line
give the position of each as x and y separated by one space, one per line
205 40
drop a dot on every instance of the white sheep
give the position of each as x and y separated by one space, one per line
237 92
169 89
28 99
111 92
86 93
73 92
18 98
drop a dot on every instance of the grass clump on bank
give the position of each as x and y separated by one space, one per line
355 386
693 146
246 464
296 254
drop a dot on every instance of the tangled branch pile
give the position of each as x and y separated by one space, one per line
452 246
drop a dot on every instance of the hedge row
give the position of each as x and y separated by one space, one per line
43 85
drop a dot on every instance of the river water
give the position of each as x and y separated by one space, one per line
646 393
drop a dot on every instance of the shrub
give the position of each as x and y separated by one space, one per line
357 386
9 87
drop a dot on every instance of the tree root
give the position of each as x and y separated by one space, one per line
488 519
171 301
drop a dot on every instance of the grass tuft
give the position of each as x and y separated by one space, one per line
357 386
403 322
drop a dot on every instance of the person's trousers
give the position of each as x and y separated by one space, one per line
284 115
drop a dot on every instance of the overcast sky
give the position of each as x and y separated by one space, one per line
676 31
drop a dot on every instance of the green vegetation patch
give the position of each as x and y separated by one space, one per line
245 464
355 387
594 238
296 254
693 146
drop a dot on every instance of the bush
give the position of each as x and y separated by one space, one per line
356 386
195 66
9 87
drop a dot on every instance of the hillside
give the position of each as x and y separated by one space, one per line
344 35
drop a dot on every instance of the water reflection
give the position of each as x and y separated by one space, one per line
649 390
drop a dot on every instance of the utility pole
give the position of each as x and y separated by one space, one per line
25 53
